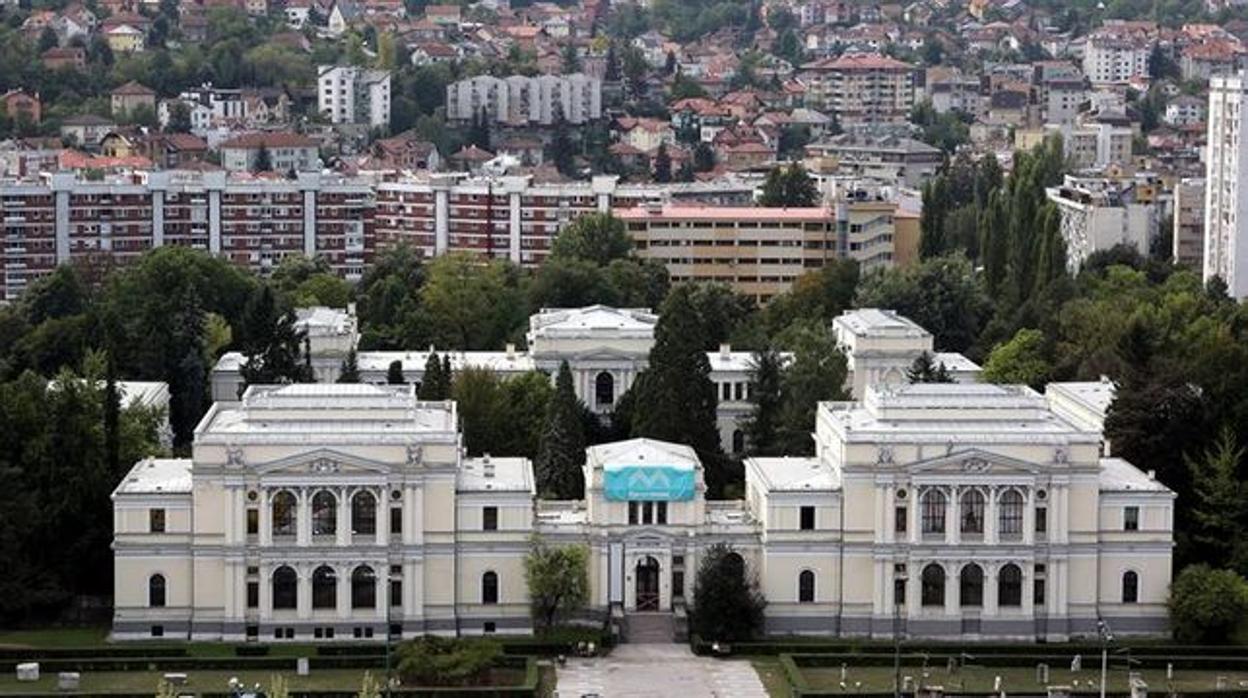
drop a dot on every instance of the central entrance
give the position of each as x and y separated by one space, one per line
648 584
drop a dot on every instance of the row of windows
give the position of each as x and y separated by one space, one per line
1009 586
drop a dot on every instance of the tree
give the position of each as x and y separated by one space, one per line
350 371
264 161
434 384
48 39
676 388
562 152
941 294
703 157
924 369
727 604
1218 511
789 187
669 63
558 581
662 165
1023 359
1207 606
272 343
817 373
468 304
562 447
763 425
179 118
571 59
596 237
394 373
438 661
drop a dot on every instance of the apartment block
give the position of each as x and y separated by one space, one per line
1189 223
1118 52
1226 184
354 95
861 88
1098 214
520 100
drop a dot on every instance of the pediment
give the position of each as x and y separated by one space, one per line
973 461
322 461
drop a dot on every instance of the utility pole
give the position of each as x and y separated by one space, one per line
1106 637
899 585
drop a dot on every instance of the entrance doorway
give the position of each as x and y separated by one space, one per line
648 584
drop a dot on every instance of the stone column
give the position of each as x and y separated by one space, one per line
266 518
304 596
990 518
383 590
955 506
342 591
1029 520
382 530
266 593
342 526
951 591
990 591
410 520
303 518
912 512
1029 591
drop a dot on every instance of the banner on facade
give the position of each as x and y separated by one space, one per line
654 483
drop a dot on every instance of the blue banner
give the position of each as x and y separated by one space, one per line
655 483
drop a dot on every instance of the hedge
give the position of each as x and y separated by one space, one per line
36 653
776 646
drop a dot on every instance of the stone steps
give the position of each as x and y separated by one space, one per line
651 628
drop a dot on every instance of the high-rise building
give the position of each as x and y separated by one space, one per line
353 95
861 88
1226 176
520 100
1189 222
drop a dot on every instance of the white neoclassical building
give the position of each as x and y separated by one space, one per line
335 512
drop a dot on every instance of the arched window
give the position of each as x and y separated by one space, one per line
324 514
156 591
285 588
489 588
738 441
364 513
971 587
973 512
324 588
1010 586
604 389
933 512
933 585
1130 587
1012 515
806 587
284 514
363 587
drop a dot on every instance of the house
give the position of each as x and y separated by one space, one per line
124 39
429 52
471 158
194 27
406 152
284 151
1185 110
444 15
173 150
343 14
297 13
86 130
121 143
20 104
131 96
644 133
71 57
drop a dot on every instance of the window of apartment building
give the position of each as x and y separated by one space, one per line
156 520
1131 519
807 517
899 519
489 519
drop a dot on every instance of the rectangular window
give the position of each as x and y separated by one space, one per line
661 513
396 521
647 512
1038 593
1042 520
158 631
678 584
156 520
253 594
396 591
632 513
899 519
489 519
253 522
1131 519
489 627
808 518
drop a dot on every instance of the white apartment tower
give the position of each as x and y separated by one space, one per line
1226 176
352 95
521 100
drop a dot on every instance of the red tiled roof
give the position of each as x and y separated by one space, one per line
473 153
135 89
280 139
858 61
725 213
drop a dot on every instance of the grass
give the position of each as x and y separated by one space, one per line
55 637
769 672
979 679
335 679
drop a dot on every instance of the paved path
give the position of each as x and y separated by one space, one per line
658 670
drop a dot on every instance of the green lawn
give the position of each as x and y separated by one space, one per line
55 637
198 680
1013 679
772 676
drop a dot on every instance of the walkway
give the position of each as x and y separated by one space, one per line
658 671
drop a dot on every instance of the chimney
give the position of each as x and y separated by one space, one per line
351 308
725 350
487 467
1152 475
511 351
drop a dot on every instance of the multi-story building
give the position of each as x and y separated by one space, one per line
951 90
1094 145
520 100
354 95
340 512
1226 184
1117 53
759 252
1189 223
894 159
861 88
1100 214
1061 99
286 152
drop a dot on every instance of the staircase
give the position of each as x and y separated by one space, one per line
650 628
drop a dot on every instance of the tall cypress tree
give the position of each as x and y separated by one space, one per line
675 396
394 373
350 372
994 242
562 448
431 382
932 219
762 427
112 418
272 343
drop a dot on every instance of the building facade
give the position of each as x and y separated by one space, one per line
322 512
520 100
861 89
1226 184
1189 223
1098 215
354 95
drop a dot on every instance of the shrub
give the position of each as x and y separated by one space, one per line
1207 605
436 661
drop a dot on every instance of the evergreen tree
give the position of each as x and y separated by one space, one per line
561 451
112 418
762 427
350 371
727 604
703 157
432 384
931 222
669 64
817 373
264 160
1219 515
924 369
272 343
789 187
685 173
187 402
394 373
662 165
676 388
562 151
611 72
994 243
571 59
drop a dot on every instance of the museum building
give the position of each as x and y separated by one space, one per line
350 511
